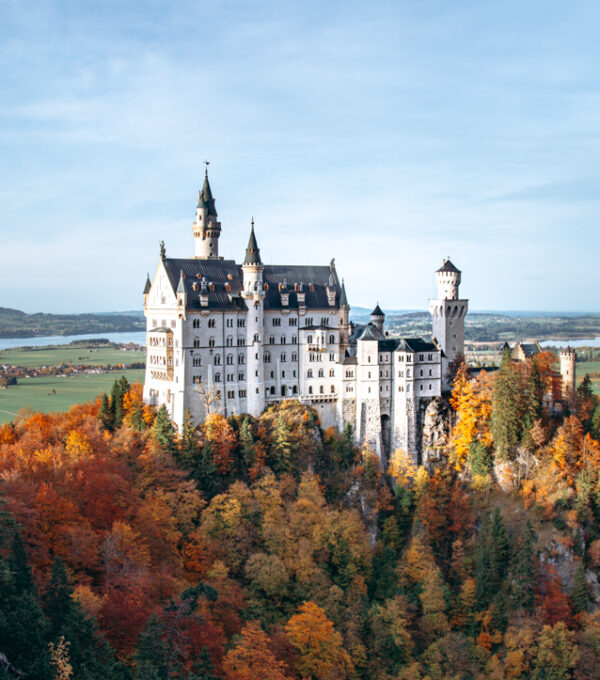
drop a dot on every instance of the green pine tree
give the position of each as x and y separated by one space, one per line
163 431
524 572
580 595
506 408
106 414
532 403
246 443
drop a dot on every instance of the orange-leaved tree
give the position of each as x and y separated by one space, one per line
251 657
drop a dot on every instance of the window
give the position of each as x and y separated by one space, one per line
241 376
408 388
272 389
255 338
349 374
196 323
283 374
283 358
401 374
241 359
197 379
229 359
310 389
241 342
272 374
324 321
292 321
421 357
369 358
229 341
271 340
217 359
429 357
409 357
331 372
294 374
211 323
294 339
309 339
217 377
211 342
321 373
229 323
282 340
283 390
308 322
276 322
196 342
321 389
267 358
331 356
430 372
408 373
309 373
369 375
294 356
230 394
197 361
241 323
331 339
242 394
421 371
294 390
332 389
421 388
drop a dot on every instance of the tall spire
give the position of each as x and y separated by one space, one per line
343 297
148 285
205 197
181 286
252 251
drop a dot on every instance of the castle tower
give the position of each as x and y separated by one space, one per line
344 321
448 316
254 294
567 372
207 228
378 318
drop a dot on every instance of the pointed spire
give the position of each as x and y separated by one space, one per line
148 285
377 311
252 251
205 197
343 297
181 286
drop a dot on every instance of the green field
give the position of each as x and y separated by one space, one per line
593 368
53 356
36 393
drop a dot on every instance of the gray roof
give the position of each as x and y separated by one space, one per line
222 273
181 285
252 251
377 311
343 296
148 285
447 266
205 198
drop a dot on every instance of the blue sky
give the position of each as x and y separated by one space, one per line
385 134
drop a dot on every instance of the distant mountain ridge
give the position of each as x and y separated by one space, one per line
15 323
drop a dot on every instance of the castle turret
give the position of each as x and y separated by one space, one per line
147 288
568 372
253 293
344 321
448 317
378 318
207 228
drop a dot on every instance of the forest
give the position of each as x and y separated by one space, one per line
270 548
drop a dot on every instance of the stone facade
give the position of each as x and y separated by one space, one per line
229 338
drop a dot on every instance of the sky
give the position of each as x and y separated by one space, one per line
387 135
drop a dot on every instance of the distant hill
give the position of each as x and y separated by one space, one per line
17 324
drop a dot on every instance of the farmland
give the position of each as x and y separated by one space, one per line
56 393
32 357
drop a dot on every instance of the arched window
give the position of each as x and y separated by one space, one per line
211 323
255 338
211 342
332 389
321 373
272 390
331 339
283 390
310 389
217 377
196 323
321 390
196 342
309 373
217 359
229 359
267 358
309 339
294 390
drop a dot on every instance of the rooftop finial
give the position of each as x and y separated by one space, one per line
163 250
206 163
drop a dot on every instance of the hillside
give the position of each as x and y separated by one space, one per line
267 548
17 324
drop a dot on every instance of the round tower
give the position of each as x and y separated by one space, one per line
567 371
207 228
378 318
448 280
253 292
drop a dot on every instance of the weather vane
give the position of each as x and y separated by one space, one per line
206 163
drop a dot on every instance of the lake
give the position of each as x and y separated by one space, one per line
138 337
590 342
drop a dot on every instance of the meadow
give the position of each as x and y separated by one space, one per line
593 368
31 357
53 393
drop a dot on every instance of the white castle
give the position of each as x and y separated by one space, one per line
230 338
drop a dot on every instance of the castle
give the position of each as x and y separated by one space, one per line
230 338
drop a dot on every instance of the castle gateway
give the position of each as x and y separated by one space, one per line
235 338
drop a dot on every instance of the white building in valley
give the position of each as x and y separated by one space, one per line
235 338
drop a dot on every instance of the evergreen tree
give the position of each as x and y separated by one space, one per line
524 572
499 618
163 431
491 559
151 652
105 414
246 442
119 389
188 444
580 595
205 471
532 403
282 448
506 408
137 418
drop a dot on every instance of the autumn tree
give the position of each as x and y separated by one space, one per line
321 654
252 658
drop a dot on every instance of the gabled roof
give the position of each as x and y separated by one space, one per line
417 345
447 266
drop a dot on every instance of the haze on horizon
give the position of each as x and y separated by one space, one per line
387 135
